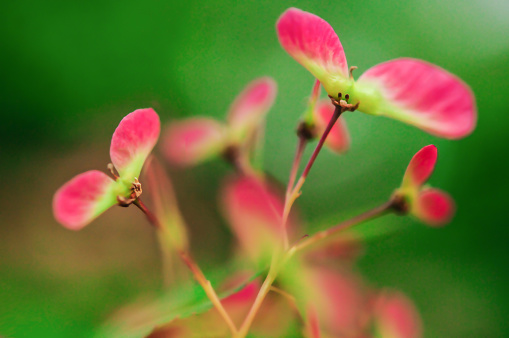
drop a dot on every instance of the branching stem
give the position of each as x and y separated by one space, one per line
294 192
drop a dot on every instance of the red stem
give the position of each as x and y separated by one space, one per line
334 118
150 216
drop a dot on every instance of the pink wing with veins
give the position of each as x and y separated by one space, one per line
421 166
83 198
312 42
133 141
424 95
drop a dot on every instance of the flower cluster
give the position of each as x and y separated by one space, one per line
283 282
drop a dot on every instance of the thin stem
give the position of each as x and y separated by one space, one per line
256 148
264 290
293 194
194 268
209 290
337 112
301 146
291 300
296 162
150 216
368 215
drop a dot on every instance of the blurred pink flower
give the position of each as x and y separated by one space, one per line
197 139
396 316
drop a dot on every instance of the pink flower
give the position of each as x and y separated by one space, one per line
197 139
430 205
88 195
409 90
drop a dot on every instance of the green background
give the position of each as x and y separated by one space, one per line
71 70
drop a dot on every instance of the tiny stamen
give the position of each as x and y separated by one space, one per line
111 169
344 105
351 71
135 194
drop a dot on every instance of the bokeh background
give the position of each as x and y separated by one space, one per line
71 70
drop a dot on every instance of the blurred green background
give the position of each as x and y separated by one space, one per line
72 70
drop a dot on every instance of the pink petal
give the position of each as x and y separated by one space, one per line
313 43
434 207
424 95
397 317
193 140
252 104
133 141
338 300
421 166
83 198
254 212
339 138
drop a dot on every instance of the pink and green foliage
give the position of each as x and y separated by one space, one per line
281 281
409 90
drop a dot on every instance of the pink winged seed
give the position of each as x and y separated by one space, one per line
310 39
193 140
434 207
134 138
252 104
425 95
75 203
421 166
338 139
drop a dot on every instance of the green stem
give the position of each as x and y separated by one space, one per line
368 215
264 290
